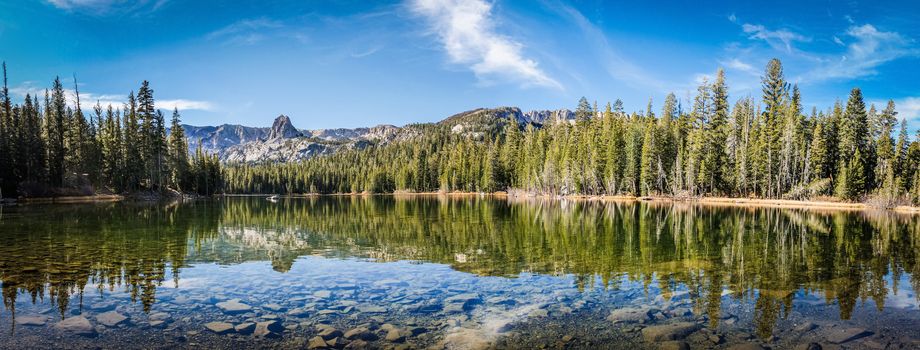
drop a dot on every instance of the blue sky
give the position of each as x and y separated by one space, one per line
360 63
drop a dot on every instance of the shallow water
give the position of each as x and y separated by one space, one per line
425 272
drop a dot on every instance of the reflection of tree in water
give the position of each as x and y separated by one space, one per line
762 256
54 252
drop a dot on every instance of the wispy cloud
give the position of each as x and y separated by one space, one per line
367 52
466 28
868 48
907 107
616 65
246 31
739 65
184 105
108 7
780 39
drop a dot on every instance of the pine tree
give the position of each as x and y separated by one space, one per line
854 145
55 130
583 111
7 130
717 130
132 145
775 90
649 162
178 154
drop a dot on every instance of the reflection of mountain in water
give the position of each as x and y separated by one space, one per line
759 255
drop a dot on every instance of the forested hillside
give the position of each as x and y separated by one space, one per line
768 147
50 147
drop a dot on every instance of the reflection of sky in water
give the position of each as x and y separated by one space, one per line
416 264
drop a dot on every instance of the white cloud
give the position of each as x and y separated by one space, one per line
616 65
739 65
908 107
245 32
868 49
184 105
780 39
89 99
106 7
466 28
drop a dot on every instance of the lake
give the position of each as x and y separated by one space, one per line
459 273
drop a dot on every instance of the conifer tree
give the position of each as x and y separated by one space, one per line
178 154
55 131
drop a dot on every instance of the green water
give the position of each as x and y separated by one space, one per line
454 273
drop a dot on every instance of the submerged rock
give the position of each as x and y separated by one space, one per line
219 327
747 346
77 325
245 328
357 345
396 335
629 315
268 329
37 320
673 331
371 309
674 345
316 342
843 335
233 307
360 333
328 332
111 318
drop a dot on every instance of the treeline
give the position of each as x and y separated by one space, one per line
770 149
52 148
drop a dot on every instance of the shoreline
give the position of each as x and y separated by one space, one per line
709 201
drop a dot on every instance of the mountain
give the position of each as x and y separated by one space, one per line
283 129
282 142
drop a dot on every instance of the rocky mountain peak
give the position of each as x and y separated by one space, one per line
283 129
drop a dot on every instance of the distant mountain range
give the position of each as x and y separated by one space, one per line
282 142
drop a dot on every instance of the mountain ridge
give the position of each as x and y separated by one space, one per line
283 142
